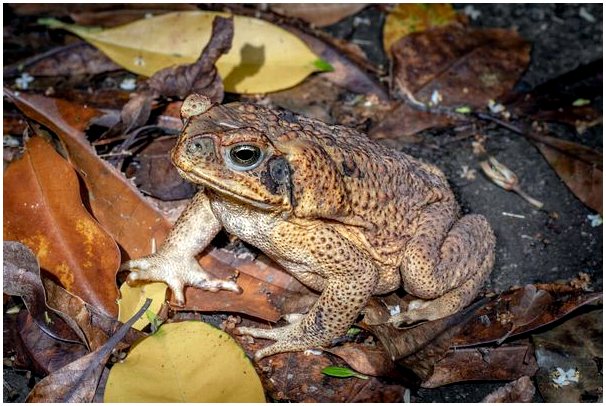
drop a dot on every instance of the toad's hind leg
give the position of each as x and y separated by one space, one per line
449 271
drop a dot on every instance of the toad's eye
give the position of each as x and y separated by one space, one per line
244 157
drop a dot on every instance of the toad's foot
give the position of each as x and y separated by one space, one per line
288 338
438 308
176 273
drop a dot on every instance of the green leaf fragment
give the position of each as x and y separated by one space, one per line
353 331
581 102
342 372
153 320
463 110
323 66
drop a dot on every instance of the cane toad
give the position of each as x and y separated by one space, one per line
346 216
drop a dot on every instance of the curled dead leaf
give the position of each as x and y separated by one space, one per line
21 277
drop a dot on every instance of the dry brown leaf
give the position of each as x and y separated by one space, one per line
466 66
201 76
113 18
526 308
405 123
518 391
483 364
578 166
77 382
74 59
96 326
155 174
43 210
44 352
368 360
494 321
130 219
345 74
320 15
21 277
297 377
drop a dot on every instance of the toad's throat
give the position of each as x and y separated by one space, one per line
198 177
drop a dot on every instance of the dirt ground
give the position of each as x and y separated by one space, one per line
532 245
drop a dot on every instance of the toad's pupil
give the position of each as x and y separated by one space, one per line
245 154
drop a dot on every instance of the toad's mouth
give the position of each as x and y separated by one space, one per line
200 178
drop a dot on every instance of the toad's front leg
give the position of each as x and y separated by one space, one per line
175 262
350 278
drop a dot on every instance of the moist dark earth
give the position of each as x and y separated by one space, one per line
547 245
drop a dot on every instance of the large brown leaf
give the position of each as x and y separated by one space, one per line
578 166
495 320
483 364
43 210
467 66
129 218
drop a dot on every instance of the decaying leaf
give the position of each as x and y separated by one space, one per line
519 391
157 176
400 343
201 76
405 123
132 12
405 19
263 58
77 382
320 15
578 166
482 364
45 353
494 321
555 99
468 67
365 359
95 325
78 58
136 111
576 348
21 277
185 362
43 210
526 308
297 377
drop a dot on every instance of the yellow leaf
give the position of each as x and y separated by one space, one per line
405 19
185 362
133 297
263 57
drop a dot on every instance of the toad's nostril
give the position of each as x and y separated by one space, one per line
201 146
